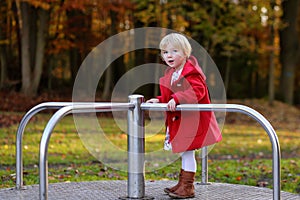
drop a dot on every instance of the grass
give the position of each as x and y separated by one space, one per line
243 156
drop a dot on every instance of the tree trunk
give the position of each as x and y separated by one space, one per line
32 48
74 52
40 48
33 29
271 88
3 46
289 44
75 61
109 70
3 65
108 75
25 49
227 73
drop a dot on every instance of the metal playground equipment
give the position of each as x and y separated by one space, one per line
136 139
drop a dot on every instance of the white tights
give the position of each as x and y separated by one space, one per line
188 161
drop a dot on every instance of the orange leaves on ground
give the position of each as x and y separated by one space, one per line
8 119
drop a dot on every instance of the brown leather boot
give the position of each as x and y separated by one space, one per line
172 189
186 188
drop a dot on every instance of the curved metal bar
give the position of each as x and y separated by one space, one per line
102 107
75 108
21 129
19 135
241 109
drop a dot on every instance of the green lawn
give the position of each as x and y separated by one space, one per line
242 157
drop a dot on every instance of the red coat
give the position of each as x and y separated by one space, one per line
189 130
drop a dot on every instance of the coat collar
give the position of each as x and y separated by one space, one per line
191 67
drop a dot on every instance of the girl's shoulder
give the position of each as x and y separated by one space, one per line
192 67
169 70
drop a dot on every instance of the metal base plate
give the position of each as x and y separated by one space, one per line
143 198
200 183
112 190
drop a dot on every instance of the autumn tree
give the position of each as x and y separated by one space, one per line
34 22
289 44
4 8
41 39
227 30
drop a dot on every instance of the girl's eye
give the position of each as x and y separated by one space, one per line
175 50
165 52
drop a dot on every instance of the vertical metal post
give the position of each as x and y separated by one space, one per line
136 149
204 170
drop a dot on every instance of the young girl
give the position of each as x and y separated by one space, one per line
184 83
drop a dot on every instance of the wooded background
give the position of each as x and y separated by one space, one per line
254 43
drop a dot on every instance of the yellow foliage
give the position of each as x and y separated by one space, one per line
39 4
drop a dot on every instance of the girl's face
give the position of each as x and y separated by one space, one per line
174 57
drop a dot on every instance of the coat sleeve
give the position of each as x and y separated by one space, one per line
194 90
159 98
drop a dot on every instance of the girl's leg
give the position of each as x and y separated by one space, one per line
188 164
188 161
186 188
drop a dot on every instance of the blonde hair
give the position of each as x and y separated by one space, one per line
177 40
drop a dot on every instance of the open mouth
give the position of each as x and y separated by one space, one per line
171 61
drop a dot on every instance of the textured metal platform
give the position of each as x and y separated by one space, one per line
105 190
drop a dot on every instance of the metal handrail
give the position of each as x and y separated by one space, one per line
241 109
75 108
20 132
21 129
135 122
